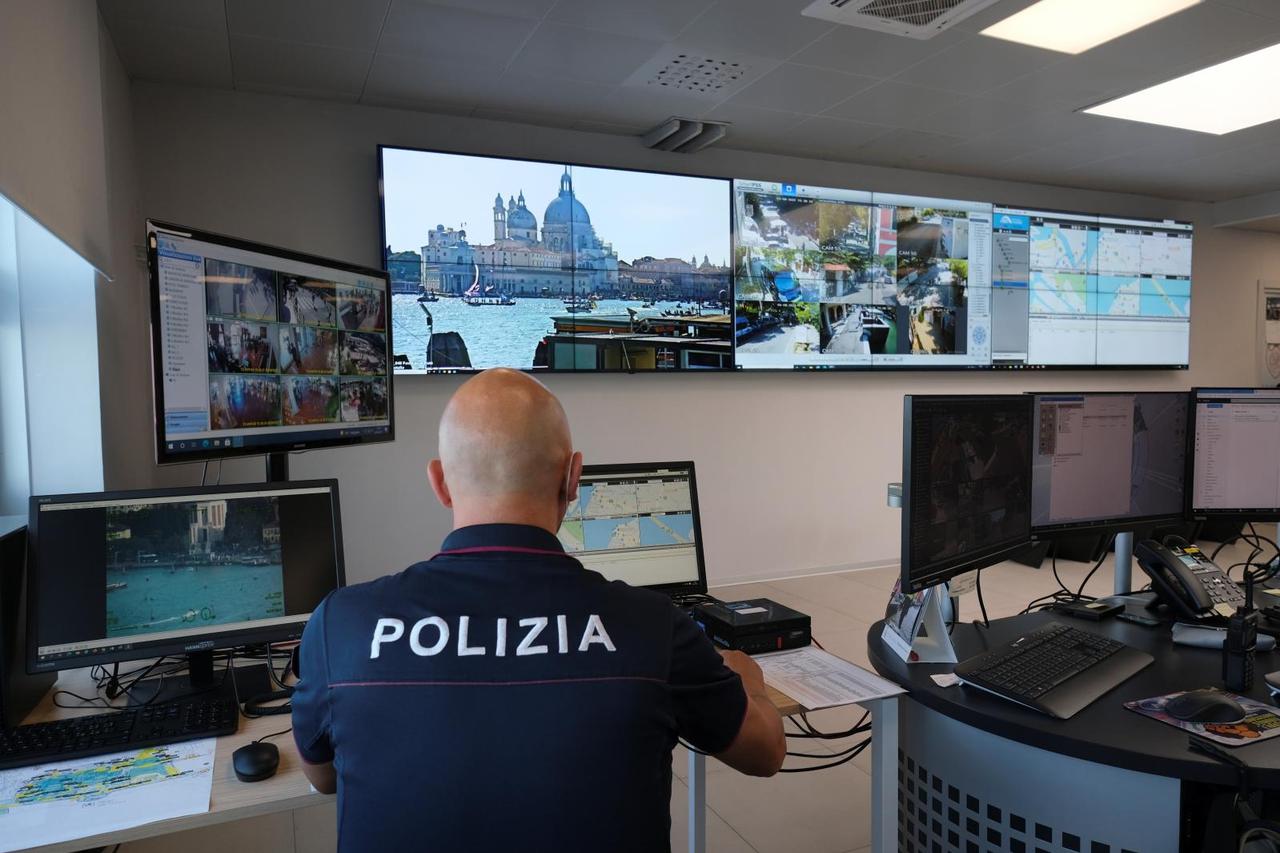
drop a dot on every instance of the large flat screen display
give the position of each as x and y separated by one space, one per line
552 266
257 349
837 279
1077 290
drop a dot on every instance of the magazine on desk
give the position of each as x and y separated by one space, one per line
1261 721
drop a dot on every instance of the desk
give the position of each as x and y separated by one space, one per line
971 763
232 800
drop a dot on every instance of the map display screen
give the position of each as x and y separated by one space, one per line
637 524
1078 290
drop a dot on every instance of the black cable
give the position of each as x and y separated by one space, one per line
863 745
810 731
274 734
1105 549
1053 562
982 605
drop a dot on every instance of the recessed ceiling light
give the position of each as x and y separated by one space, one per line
1231 95
1074 26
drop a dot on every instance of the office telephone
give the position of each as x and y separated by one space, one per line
1186 580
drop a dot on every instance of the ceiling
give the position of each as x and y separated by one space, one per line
959 103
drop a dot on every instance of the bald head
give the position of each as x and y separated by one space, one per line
505 448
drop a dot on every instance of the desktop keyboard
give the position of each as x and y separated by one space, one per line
1056 669
118 731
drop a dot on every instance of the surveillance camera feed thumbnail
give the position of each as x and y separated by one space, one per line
970 479
830 279
257 350
540 265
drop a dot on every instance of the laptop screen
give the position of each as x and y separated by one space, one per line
639 524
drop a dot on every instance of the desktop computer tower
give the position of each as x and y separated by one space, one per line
19 692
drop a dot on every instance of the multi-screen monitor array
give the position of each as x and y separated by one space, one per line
258 349
551 266
983 474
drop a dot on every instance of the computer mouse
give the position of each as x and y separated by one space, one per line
255 761
1205 706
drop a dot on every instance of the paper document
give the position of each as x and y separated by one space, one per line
818 679
64 800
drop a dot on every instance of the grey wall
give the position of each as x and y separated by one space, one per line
792 468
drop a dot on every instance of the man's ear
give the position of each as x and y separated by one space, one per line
435 476
571 478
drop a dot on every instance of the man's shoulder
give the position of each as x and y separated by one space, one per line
359 595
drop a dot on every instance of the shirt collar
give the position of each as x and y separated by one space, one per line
499 537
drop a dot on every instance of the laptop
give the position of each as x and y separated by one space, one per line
638 523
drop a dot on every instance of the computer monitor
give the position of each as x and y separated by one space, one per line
1108 460
1082 290
118 576
258 349
966 484
1235 469
836 279
639 523
551 265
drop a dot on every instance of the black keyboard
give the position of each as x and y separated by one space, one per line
118 731
1056 669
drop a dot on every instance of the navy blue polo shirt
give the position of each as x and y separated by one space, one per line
500 696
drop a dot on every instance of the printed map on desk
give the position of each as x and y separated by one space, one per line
83 797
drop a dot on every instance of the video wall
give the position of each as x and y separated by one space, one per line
553 266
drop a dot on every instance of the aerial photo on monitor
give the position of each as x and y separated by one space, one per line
189 565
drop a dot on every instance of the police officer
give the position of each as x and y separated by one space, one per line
499 696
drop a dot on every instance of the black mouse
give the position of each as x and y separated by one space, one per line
1205 706
255 761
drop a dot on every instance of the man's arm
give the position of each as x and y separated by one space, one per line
760 746
321 776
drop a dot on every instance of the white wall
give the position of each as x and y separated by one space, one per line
52 161
792 468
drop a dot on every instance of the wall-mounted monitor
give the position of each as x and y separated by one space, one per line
1105 461
258 349
1080 290
499 262
830 279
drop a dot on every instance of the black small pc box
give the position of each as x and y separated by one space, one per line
753 626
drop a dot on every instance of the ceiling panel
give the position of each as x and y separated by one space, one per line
898 105
773 28
406 81
173 54
267 64
532 9
834 138
978 65
909 148
444 34
802 89
557 50
654 19
351 24
191 14
557 100
858 51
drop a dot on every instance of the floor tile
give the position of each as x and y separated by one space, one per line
721 838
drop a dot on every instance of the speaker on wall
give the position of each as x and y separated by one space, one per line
19 692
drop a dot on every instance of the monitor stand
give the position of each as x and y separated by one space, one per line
203 678
278 467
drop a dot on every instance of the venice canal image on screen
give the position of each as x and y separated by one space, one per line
541 265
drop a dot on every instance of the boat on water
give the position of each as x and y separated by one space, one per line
580 304
428 296
112 587
476 296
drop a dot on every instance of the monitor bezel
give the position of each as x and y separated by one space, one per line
211 641
167 457
1044 532
915 579
683 587
1202 514
538 371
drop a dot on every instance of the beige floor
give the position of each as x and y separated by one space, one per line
823 812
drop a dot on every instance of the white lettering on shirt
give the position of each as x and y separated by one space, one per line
595 633
500 649
562 628
386 631
537 623
415 642
464 623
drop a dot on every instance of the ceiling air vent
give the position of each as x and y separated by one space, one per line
921 19
674 71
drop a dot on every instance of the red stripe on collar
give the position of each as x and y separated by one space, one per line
490 549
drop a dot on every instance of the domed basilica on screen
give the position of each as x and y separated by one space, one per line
567 258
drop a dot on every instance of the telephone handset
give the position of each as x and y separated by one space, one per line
1188 581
